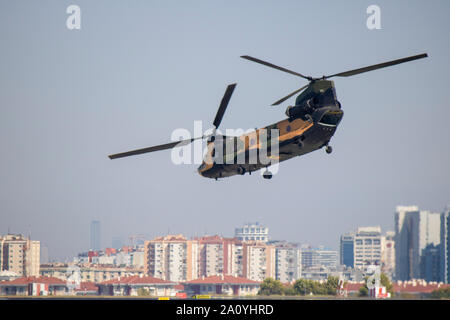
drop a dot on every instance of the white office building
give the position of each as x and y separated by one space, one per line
320 257
367 247
252 232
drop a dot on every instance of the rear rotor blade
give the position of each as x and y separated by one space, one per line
289 95
154 148
268 64
377 66
223 105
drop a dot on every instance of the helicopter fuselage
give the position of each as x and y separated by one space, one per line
310 125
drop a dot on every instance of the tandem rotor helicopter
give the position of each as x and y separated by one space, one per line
309 126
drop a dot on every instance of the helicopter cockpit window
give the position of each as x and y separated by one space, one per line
331 118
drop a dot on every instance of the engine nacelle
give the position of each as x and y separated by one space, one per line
301 110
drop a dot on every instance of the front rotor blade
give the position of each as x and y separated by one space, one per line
275 67
154 148
377 66
288 96
223 105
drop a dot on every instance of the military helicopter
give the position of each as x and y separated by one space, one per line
309 126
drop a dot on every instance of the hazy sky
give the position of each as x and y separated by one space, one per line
137 70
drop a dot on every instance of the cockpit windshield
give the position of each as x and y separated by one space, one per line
331 118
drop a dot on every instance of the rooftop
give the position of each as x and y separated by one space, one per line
87 286
376 229
136 280
222 279
28 280
170 237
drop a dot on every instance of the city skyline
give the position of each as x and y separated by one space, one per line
415 254
109 243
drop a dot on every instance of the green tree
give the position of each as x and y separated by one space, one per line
306 286
270 287
384 281
143 292
363 291
441 293
319 288
303 287
289 290
332 285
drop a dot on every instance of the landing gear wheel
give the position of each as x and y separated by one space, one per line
241 170
267 175
328 149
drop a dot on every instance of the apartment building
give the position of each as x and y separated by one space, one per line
174 258
258 260
288 262
171 258
88 272
20 255
218 255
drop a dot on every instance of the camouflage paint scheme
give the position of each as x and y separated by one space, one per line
301 133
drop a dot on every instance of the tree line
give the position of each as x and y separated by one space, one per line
441 293
305 287
300 287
